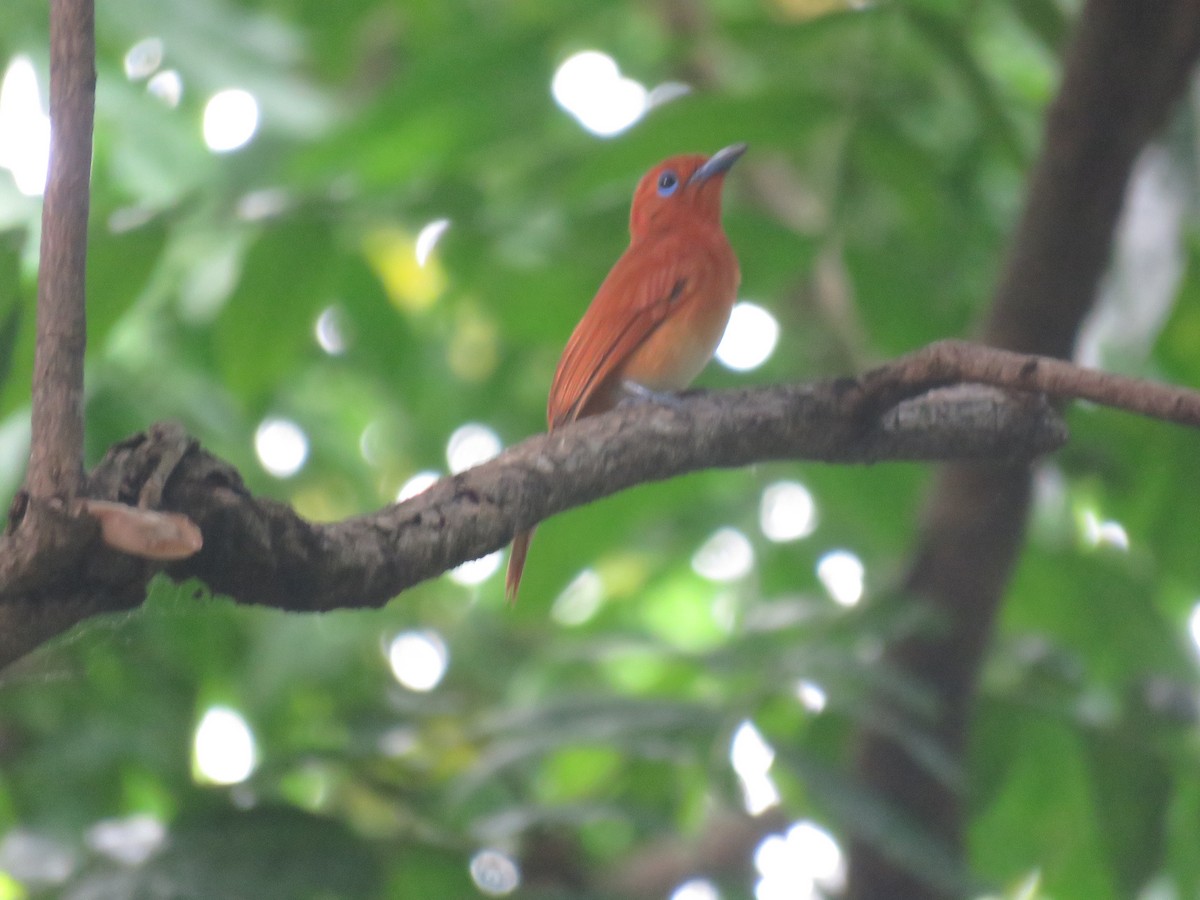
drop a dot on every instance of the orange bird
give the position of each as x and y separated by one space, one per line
660 313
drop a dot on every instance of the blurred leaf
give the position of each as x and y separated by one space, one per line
886 170
261 853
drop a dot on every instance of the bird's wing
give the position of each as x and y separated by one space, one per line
644 286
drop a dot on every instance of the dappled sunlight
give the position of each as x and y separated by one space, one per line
166 86
143 58
696 889
344 248
373 443
811 695
265 203
230 120
417 484
726 556
34 858
418 659
787 512
590 87
223 751
1051 513
130 840
749 339
1194 627
24 128
330 331
470 445
580 600
427 239
843 575
412 284
142 62
1148 260
726 607
805 863
476 571
1097 532
752 757
281 446
1030 888
399 741
495 873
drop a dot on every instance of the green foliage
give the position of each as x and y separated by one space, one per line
889 147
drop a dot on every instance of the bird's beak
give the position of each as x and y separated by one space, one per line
717 163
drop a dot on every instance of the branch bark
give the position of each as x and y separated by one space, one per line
259 551
1125 70
953 362
52 535
56 449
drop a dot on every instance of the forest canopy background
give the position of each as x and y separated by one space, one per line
281 294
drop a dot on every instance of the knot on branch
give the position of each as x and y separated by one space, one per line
108 542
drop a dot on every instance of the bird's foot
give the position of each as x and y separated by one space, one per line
639 393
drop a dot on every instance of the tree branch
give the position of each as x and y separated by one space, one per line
953 362
56 449
257 550
260 552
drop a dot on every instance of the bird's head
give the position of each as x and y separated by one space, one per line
682 189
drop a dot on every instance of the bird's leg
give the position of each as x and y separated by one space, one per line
639 393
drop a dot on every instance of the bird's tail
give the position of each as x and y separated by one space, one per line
516 564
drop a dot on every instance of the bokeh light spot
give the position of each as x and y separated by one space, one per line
262 204
820 853
411 285
34 859
130 841
24 128
752 757
843 575
330 331
811 695
143 58
494 873
166 86
726 556
749 752
1194 626
1099 532
418 659
230 120
591 88
801 864
787 512
420 482
749 339
282 447
427 239
223 749
696 889
470 445
476 571
375 443
579 600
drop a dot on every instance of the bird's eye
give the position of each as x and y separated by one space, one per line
667 182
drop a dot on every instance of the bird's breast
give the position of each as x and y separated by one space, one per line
673 354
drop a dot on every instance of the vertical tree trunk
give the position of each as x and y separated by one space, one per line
1125 71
